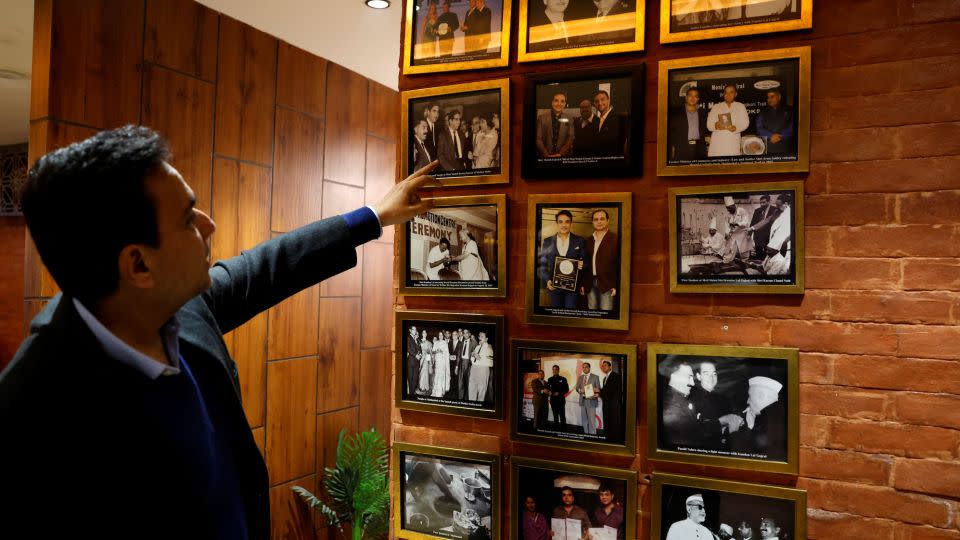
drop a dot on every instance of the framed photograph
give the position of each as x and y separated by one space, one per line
575 395
578 260
553 29
458 125
692 507
740 113
445 493
450 363
583 124
691 20
457 248
734 407
743 238
569 501
451 35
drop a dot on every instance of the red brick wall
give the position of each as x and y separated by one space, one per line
12 230
877 327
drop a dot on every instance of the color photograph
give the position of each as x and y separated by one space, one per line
735 114
450 363
690 20
460 127
456 248
745 238
575 394
448 35
551 29
445 493
687 508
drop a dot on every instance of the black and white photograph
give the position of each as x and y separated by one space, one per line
460 127
719 403
446 493
449 362
582 124
552 29
690 508
456 248
575 394
579 260
566 501
689 20
746 113
737 238
446 35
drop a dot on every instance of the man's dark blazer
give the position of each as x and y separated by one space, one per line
76 421
585 137
447 151
430 141
463 376
477 22
612 135
421 154
608 262
611 395
768 436
548 251
761 227
679 126
413 363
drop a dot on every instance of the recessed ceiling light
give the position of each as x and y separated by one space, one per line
378 4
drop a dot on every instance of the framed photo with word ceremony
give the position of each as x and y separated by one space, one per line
457 248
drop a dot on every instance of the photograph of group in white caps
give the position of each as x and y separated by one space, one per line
449 31
453 247
746 238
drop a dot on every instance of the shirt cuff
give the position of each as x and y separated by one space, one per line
364 224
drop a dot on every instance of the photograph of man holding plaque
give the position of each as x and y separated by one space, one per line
561 262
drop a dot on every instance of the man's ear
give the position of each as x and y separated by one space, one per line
134 265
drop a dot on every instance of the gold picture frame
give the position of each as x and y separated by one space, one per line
669 35
629 477
488 459
414 97
784 362
410 47
412 287
584 203
713 67
579 349
407 395
689 282
576 28
682 484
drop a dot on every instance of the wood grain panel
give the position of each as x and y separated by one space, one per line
301 80
225 209
172 101
248 347
291 419
293 326
377 295
381 175
259 436
95 62
246 92
346 126
290 516
383 119
339 353
240 207
182 34
376 368
329 426
13 230
298 159
40 80
339 199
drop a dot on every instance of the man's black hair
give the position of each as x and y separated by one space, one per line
444 241
563 213
453 113
84 203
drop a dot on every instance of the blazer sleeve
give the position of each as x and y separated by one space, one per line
257 279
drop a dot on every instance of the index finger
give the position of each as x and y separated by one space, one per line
422 181
426 168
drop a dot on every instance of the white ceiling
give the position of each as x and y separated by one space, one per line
347 32
344 31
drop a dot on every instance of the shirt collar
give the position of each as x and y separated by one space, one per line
116 348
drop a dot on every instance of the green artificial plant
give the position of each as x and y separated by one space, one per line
357 487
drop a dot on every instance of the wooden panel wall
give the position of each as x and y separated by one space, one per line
246 119
878 325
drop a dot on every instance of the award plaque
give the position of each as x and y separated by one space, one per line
565 272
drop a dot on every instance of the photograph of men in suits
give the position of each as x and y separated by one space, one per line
588 386
611 398
612 128
554 129
603 269
450 146
421 154
431 113
476 27
541 395
559 388
688 129
562 244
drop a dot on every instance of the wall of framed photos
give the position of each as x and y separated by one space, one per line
857 333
